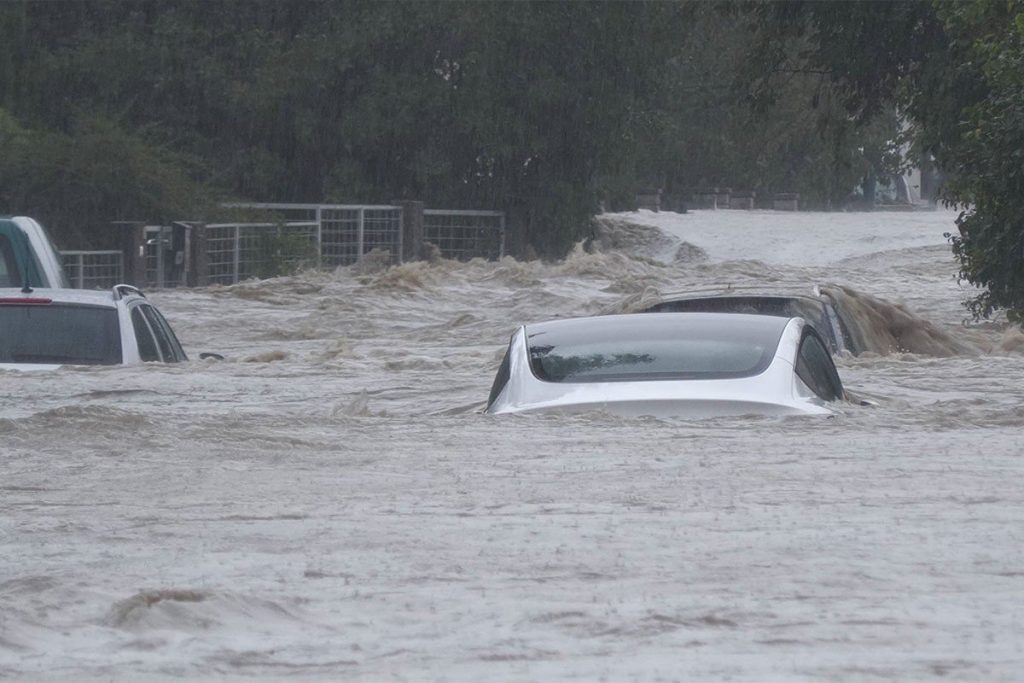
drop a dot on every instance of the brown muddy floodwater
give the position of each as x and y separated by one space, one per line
330 504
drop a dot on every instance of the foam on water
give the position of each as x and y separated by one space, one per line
329 502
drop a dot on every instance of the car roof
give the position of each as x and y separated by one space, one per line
818 309
91 297
641 321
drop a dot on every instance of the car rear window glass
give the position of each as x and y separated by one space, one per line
59 334
661 346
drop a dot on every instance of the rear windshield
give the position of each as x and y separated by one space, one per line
661 346
59 334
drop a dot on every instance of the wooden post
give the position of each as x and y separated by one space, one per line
131 240
412 229
198 273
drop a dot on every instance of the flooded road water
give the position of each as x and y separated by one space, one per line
329 503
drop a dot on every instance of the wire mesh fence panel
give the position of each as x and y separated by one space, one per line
241 251
339 239
343 232
93 269
464 235
270 251
222 253
382 230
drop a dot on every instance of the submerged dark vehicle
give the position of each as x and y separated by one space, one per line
820 310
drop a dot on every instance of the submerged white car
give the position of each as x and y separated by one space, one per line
668 364
43 329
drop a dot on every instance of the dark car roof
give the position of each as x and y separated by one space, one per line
813 309
637 323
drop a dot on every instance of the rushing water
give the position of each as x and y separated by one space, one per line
329 503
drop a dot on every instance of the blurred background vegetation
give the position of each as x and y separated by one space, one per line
157 111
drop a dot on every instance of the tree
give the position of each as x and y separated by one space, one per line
956 71
986 153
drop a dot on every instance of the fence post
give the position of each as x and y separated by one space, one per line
412 229
81 271
501 245
360 233
198 274
237 255
131 240
319 237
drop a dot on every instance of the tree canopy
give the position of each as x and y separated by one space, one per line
955 71
130 109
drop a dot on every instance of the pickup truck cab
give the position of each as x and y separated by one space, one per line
27 255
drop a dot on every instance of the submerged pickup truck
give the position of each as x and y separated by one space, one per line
27 255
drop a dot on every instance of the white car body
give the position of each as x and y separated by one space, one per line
50 267
774 390
136 318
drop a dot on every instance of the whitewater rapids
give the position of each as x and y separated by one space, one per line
329 503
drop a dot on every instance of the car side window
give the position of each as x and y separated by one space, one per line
815 367
162 342
172 340
144 337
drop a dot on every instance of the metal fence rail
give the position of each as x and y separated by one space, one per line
93 269
465 234
349 232
282 238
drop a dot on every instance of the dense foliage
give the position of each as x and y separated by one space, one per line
132 109
987 152
956 71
